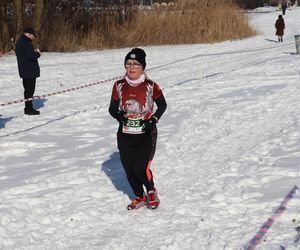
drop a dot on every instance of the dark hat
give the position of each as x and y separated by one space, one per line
30 31
138 55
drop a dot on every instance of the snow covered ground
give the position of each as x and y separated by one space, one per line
228 151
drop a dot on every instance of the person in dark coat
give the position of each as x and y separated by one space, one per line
283 7
280 26
28 66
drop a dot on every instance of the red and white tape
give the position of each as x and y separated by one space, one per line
116 78
59 92
255 241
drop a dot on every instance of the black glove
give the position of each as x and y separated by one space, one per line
149 125
121 116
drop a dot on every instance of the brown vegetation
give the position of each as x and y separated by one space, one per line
186 21
189 21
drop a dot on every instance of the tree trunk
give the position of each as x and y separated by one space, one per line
38 16
47 24
5 44
18 18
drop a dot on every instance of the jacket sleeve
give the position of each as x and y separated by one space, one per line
113 108
161 106
31 54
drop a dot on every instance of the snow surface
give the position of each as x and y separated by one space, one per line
228 151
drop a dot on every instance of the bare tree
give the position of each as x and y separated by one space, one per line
38 14
18 17
38 20
4 30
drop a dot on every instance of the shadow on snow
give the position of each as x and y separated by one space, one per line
45 123
3 121
114 170
38 103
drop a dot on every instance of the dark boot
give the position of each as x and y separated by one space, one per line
31 112
28 105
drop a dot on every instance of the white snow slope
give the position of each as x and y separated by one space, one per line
228 151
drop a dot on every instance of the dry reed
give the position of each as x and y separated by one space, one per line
186 22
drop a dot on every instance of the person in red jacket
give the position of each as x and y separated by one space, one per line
132 105
280 26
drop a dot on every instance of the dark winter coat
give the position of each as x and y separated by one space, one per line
280 26
284 6
27 58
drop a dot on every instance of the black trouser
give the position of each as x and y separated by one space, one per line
136 153
29 88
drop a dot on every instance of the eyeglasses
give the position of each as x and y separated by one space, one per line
133 65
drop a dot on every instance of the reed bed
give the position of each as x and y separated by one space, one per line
185 22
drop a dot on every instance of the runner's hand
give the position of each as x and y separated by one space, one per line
150 124
121 116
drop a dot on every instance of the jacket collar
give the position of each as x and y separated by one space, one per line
26 38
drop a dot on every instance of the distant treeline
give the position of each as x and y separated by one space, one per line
252 4
86 25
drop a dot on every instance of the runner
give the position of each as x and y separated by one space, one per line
132 104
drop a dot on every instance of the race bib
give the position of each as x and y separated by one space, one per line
133 126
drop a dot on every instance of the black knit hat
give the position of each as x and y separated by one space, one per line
30 31
138 55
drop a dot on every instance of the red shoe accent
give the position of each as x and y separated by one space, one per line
153 200
137 203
